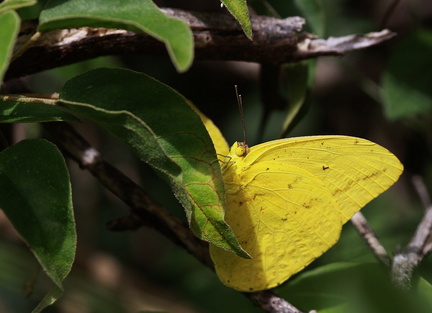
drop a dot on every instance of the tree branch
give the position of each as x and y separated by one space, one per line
144 211
406 261
216 36
360 222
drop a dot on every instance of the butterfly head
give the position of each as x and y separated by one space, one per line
240 149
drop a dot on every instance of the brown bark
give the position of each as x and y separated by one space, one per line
216 37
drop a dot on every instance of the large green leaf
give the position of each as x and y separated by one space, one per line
9 28
134 15
35 194
407 83
164 132
239 9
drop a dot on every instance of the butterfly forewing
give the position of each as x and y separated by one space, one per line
354 170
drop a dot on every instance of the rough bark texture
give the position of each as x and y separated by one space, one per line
216 36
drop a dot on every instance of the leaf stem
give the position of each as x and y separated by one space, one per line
50 99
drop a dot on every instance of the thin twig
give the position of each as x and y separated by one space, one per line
339 45
144 211
405 262
360 222
422 191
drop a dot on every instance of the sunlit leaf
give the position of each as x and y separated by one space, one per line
15 4
239 9
164 131
10 24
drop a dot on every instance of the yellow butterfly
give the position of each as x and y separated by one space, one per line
288 199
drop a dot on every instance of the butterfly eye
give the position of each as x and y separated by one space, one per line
242 149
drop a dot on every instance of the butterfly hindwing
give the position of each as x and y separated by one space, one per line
283 216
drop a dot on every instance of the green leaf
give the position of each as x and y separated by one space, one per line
134 15
239 9
35 194
14 111
357 288
298 85
313 11
10 24
164 131
425 289
15 4
407 91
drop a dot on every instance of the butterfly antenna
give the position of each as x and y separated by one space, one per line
240 106
242 147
